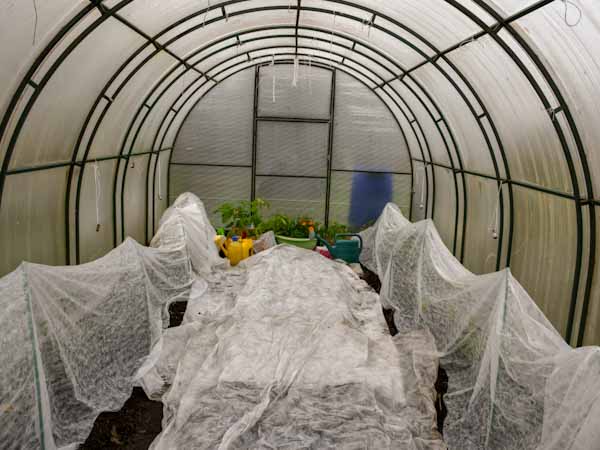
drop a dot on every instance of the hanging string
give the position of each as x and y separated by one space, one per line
97 179
274 75
331 40
296 67
422 202
206 13
35 23
160 197
568 3
496 222
309 74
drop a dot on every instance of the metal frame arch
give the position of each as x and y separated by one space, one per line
265 57
455 171
489 30
346 57
112 12
373 82
356 62
237 57
428 59
506 23
503 23
174 68
299 7
286 61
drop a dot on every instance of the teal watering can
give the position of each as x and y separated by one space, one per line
346 249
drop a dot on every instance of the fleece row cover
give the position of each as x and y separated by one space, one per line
514 383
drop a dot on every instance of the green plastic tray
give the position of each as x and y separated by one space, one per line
308 244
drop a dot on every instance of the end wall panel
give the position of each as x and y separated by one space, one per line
212 185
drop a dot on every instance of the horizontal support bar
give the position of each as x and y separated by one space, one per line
545 190
80 163
525 184
482 175
38 168
210 165
290 119
376 172
310 177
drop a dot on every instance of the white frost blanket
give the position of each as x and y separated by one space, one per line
514 383
187 220
72 339
291 351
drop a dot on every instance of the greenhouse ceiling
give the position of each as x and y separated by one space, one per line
497 102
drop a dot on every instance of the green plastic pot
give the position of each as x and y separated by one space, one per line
308 244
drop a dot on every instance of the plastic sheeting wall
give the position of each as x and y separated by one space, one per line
212 156
292 147
292 155
486 91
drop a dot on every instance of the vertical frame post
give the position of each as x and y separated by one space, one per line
330 145
254 130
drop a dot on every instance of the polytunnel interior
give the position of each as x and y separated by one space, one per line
481 114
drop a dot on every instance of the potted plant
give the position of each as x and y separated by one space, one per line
299 232
243 218
329 232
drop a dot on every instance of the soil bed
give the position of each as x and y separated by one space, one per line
140 420
441 384
133 427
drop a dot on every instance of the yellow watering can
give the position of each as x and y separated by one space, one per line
235 249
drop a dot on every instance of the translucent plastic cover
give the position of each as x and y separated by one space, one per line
514 383
74 338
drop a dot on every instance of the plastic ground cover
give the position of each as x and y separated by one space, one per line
290 350
514 383
73 339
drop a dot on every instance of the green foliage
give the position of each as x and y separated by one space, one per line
328 233
286 226
242 216
278 224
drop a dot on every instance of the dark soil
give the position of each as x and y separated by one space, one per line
136 425
133 427
441 384
176 313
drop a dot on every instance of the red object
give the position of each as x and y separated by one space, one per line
244 235
325 253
